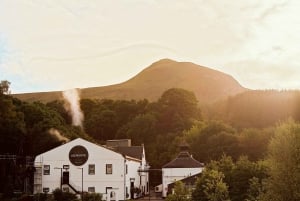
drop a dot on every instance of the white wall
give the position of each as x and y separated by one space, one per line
98 155
170 175
140 178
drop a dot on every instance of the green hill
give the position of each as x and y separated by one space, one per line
207 84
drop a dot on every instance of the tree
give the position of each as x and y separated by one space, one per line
284 163
12 126
210 187
58 106
241 175
210 140
181 193
255 189
254 142
4 87
142 129
244 178
177 110
101 124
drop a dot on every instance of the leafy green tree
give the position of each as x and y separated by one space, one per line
40 120
12 126
254 142
58 106
211 187
177 110
240 176
255 189
4 87
210 140
284 163
243 171
128 110
224 165
181 193
101 124
142 129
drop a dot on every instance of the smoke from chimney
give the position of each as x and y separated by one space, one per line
56 133
72 105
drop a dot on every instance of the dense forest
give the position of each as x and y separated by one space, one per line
249 142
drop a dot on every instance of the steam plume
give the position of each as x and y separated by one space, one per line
56 133
72 105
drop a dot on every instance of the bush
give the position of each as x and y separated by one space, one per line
64 196
92 197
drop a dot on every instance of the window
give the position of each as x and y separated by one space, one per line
91 189
108 168
46 169
91 169
126 169
45 190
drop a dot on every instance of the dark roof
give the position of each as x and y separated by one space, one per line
191 180
184 160
133 151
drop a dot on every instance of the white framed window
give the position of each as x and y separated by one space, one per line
46 170
91 169
109 169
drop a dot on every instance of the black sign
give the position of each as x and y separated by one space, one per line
78 155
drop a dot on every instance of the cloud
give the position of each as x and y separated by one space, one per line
75 44
257 74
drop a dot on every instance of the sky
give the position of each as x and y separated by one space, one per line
48 45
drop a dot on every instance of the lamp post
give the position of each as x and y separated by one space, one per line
57 168
81 183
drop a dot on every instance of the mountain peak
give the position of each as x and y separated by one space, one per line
164 61
208 85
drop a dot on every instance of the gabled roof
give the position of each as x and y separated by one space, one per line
133 151
191 180
184 160
78 141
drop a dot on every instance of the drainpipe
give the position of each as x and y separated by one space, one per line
124 177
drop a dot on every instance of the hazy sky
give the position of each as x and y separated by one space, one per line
61 44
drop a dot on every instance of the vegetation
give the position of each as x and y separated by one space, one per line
210 187
249 142
181 193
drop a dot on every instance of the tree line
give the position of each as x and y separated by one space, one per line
239 150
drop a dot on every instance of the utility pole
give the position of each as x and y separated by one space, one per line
81 183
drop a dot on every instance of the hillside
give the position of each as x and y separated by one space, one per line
207 84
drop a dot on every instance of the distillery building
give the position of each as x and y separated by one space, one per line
115 170
181 168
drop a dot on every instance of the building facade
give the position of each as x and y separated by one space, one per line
81 166
183 166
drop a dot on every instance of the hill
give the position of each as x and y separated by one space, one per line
207 84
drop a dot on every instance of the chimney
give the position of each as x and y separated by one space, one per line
119 143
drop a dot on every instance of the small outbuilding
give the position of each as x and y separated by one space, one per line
183 166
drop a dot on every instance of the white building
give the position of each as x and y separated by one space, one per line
182 167
80 165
